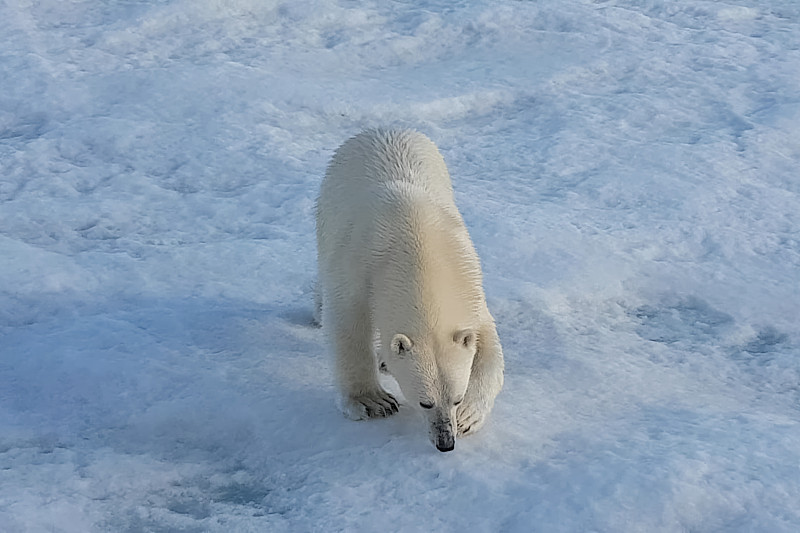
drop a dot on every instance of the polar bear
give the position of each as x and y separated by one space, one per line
396 264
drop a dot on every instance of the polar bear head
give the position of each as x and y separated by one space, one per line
433 372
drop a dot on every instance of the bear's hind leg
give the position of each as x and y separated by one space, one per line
361 393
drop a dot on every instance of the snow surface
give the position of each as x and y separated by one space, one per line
629 172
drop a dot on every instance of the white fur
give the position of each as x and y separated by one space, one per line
395 258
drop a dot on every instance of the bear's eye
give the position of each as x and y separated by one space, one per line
426 405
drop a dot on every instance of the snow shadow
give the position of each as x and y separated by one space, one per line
170 409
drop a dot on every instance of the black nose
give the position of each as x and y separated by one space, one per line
445 443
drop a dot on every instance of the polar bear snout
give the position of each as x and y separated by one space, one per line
445 442
443 435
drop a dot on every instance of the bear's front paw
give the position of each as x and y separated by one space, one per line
471 416
369 404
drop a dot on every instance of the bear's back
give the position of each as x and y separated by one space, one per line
378 156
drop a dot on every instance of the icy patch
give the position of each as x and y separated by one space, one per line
690 319
737 13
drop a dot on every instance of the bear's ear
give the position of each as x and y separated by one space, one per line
466 338
400 345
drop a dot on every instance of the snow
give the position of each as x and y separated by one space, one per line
629 174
